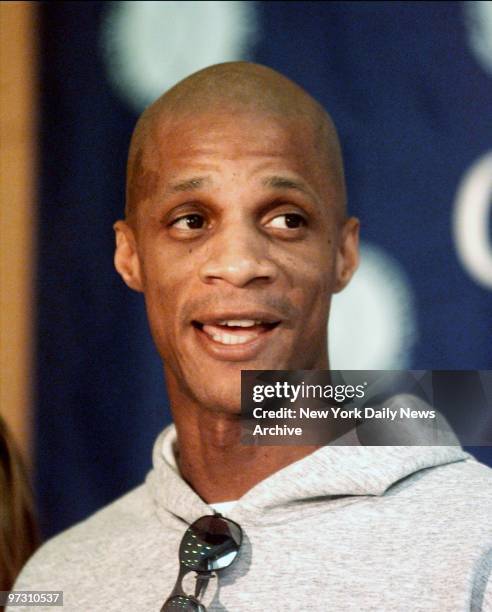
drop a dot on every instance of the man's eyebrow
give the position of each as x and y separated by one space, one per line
282 182
191 184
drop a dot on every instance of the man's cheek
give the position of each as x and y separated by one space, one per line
309 288
159 307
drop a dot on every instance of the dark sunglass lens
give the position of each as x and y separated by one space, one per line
210 543
182 604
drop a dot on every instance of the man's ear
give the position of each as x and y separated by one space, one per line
347 257
126 257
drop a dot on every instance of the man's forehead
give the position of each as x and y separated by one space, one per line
188 155
206 140
221 125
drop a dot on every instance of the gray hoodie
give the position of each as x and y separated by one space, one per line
346 528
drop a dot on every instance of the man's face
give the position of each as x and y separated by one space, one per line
237 246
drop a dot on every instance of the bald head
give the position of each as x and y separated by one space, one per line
231 89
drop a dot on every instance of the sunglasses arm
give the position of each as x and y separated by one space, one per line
202 580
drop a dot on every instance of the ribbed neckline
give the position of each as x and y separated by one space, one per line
331 471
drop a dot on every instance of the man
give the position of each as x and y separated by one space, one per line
237 234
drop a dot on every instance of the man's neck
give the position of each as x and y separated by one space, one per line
214 462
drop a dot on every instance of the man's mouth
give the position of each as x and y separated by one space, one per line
235 331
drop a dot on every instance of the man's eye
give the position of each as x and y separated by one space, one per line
189 222
287 221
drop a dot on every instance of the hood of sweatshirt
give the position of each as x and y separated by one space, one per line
342 473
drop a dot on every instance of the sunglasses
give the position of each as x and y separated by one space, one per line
209 545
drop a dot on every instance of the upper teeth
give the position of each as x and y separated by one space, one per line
240 323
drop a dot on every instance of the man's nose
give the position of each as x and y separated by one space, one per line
238 259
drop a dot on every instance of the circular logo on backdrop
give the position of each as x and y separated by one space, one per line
471 221
150 46
372 322
478 17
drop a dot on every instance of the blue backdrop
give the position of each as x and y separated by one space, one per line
410 88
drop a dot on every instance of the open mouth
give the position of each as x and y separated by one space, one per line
235 331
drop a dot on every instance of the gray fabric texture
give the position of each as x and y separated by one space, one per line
346 528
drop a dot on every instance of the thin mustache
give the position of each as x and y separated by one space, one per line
277 304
